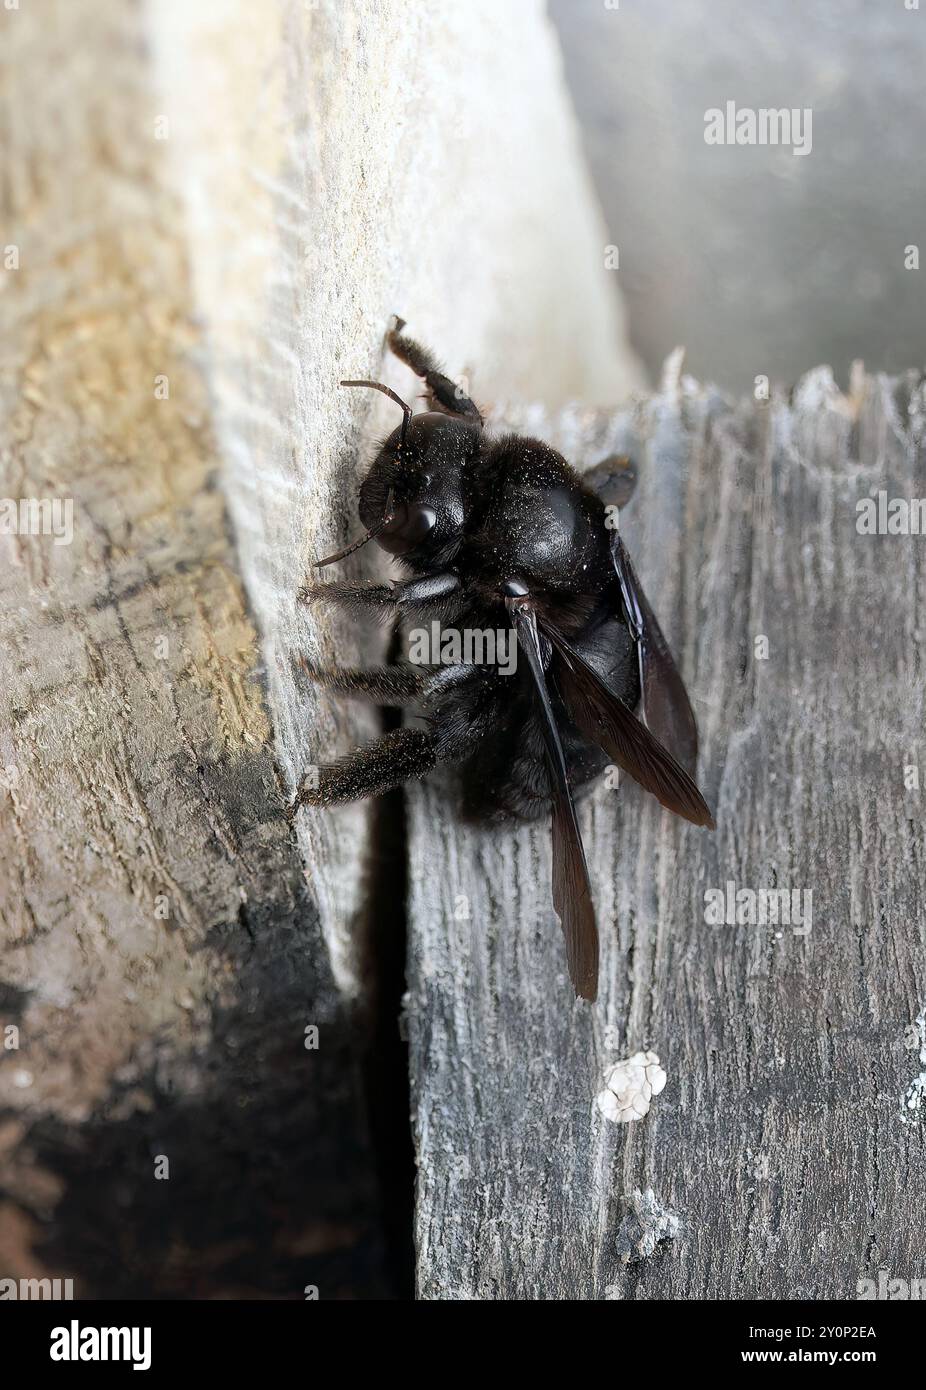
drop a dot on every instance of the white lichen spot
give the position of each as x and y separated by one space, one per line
915 1094
629 1087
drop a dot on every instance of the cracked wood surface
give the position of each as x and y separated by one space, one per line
162 951
226 201
789 1140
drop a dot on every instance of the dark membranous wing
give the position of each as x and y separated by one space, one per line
666 707
606 720
572 894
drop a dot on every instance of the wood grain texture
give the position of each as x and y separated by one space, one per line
162 952
789 1140
217 208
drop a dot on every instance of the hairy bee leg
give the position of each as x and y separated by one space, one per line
407 753
443 394
416 594
614 479
359 597
388 685
391 760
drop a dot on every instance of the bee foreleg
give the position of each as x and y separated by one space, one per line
360 598
430 593
443 394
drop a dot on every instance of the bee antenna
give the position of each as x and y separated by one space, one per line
349 549
387 391
373 531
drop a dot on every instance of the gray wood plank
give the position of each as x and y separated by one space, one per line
789 1140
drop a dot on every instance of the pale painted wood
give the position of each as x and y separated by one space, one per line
162 944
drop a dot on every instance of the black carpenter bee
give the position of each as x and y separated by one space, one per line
503 532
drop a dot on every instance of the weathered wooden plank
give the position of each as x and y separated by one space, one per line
789 1140
324 195
162 951
217 208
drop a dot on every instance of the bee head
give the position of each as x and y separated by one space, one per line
413 493
411 500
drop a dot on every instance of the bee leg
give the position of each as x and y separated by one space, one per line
404 753
431 592
443 394
359 598
378 767
614 479
398 685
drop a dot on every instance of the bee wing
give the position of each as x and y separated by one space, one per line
572 894
607 721
666 707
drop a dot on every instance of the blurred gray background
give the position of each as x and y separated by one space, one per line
758 260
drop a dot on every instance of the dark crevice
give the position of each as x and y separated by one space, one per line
385 1073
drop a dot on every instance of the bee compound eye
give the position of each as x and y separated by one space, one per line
409 525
